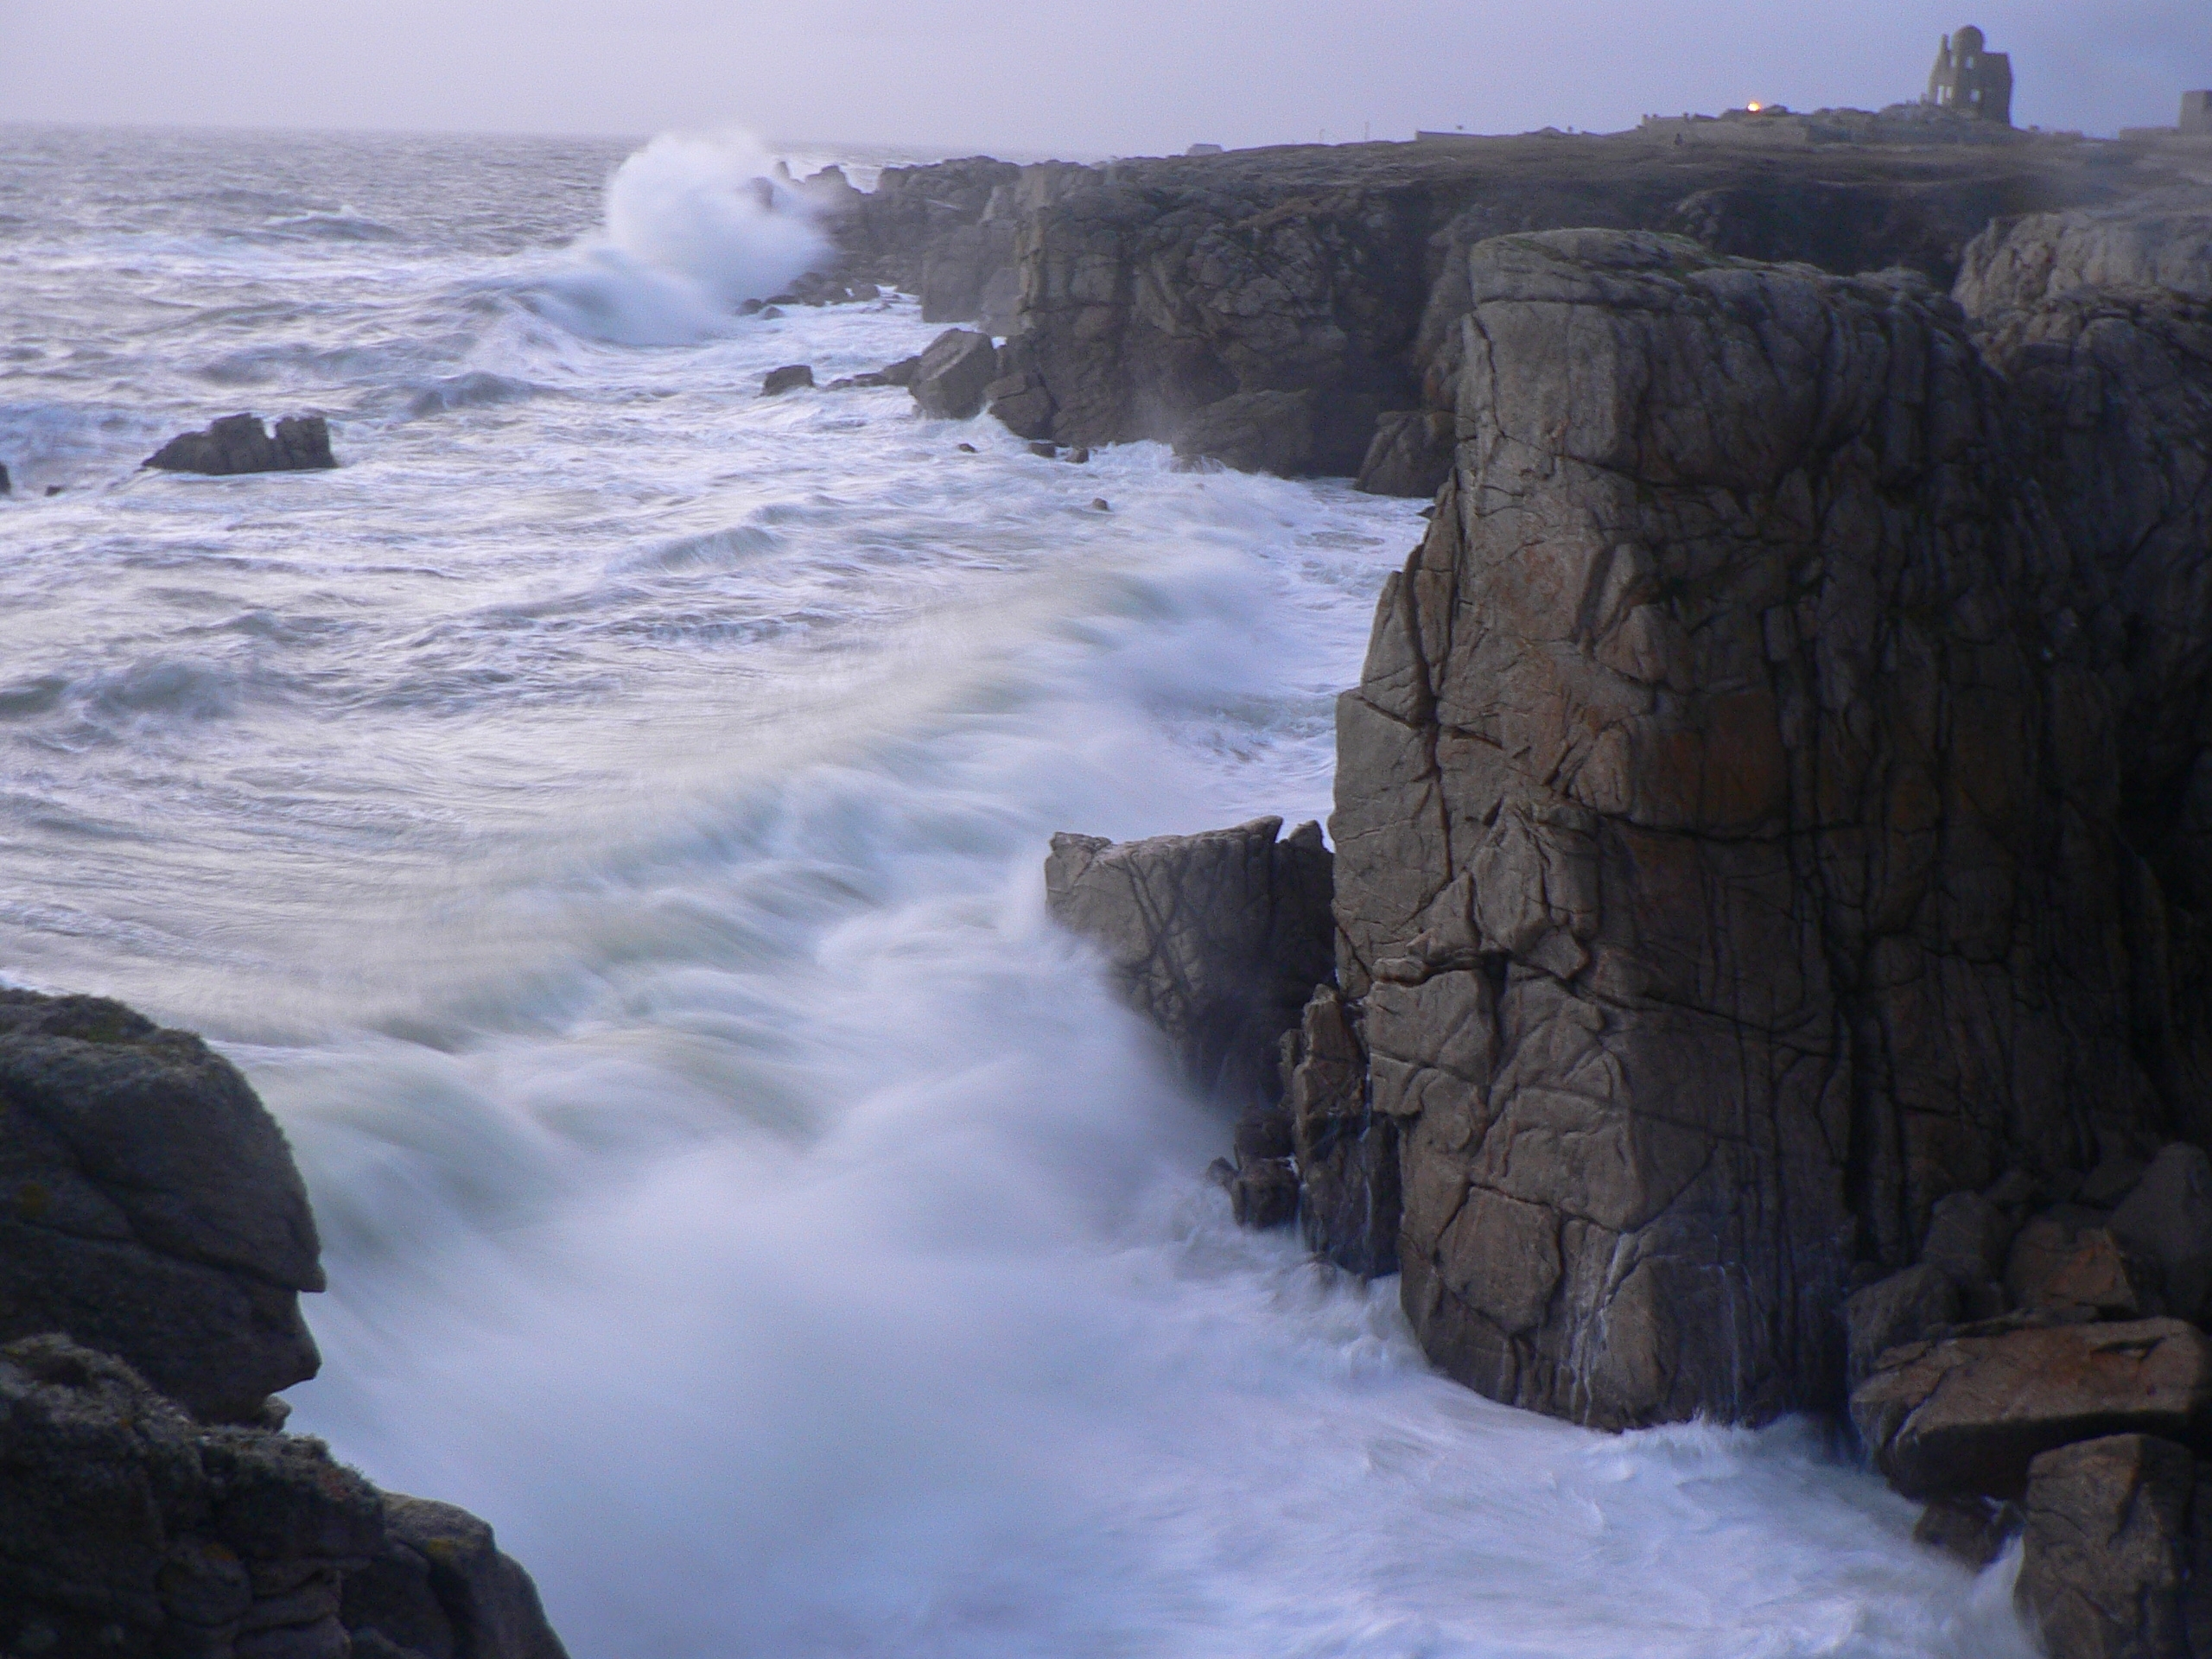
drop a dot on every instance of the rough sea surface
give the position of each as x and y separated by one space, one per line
604 818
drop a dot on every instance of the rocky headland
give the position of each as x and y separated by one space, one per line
155 1238
1768 892
1298 309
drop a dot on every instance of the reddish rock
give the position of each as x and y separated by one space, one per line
1970 1413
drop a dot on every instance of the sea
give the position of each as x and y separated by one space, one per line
604 818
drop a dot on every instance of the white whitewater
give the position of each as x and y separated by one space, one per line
605 818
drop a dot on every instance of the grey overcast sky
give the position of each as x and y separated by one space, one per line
1135 76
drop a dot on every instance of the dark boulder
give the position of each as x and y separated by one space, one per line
2103 1279
902 373
1219 938
2108 1566
149 1205
1411 455
950 379
793 376
1967 1414
1253 432
1967 1237
239 444
1018 398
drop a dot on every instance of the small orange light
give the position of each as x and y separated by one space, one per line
1754 106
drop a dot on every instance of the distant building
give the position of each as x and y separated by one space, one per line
2196 113
1971 79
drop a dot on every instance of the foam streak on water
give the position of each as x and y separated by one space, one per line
605 817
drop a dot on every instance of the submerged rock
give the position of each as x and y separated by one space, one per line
239 444
793 376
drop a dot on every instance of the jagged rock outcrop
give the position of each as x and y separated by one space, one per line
1724 829
1225 941
950 379
440 1587
946 231
150 1213
149 1206
127 1528
2024 262
1219 938
2115 387
1344 1154
240 443
1151 289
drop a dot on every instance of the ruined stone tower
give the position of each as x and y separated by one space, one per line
1971 79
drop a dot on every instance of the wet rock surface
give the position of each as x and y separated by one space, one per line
240 443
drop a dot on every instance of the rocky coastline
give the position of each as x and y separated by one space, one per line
154 1243
1758 960
1767 891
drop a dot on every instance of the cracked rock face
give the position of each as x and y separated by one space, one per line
1724 854
1219 938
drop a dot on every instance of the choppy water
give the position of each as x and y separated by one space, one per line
605 817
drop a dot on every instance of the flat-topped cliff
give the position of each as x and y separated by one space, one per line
1324 285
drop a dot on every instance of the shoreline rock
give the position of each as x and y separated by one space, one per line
156 1231
240 443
